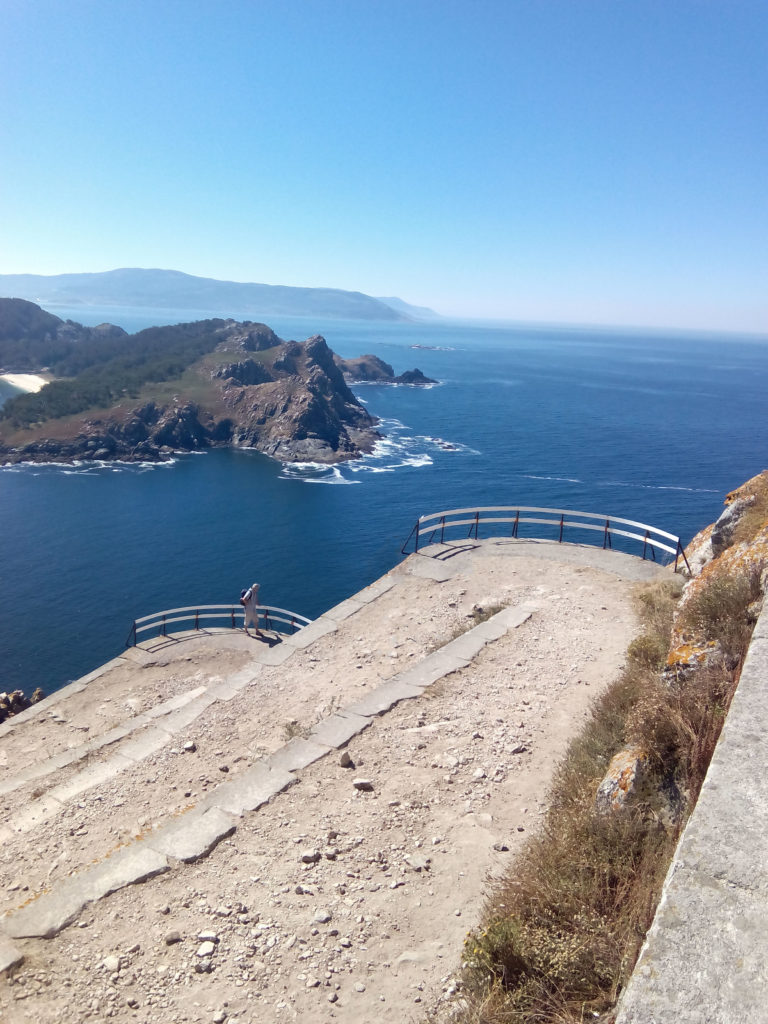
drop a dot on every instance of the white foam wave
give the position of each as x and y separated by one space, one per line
90 467
315 473
396 449
558 479
657 487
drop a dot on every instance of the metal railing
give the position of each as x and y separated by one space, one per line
437 523
275 619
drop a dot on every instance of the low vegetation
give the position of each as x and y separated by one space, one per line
562 930
100 371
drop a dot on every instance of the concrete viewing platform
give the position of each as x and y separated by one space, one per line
183 756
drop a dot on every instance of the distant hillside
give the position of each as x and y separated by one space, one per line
411 312
171 289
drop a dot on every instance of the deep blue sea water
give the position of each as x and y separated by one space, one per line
650 426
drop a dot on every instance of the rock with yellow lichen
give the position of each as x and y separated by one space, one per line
733 548
624 777
712 623
746 510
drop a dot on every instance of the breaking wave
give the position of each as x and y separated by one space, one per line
398 449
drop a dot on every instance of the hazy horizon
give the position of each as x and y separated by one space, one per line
509 160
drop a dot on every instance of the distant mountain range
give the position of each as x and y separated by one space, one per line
171 289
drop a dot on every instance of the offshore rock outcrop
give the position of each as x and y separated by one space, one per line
370 369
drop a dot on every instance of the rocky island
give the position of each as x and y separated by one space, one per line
186 387
372 370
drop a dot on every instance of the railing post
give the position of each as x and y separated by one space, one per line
645 544
417 537
680 552
517 522
197 619
232 614
562 521
163 629
266 619
442 529
477 523
607 535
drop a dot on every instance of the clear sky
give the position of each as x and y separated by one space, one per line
596 161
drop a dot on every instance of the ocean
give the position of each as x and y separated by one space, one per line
651 426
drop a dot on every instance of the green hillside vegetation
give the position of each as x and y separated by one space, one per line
101 370
30 338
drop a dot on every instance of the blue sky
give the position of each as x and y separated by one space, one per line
593 161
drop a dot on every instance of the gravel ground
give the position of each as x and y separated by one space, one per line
330 903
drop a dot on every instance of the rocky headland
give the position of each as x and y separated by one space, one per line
187 387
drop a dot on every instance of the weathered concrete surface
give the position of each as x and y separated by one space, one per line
92 775
432 668
383 698
308 635
254 787
193 835
706 955
297 753
10 956
509 618
338 729
47 915
443 561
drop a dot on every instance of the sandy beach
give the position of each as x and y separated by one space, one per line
28 382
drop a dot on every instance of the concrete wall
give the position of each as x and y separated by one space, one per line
706 955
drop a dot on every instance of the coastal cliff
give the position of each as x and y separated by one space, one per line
186 387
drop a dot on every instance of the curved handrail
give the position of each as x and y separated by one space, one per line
651 538
274 619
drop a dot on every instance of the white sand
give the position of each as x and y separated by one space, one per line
24 381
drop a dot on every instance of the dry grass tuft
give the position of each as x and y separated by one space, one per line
719 610
755 517
561 932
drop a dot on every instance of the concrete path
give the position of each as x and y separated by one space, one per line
194 834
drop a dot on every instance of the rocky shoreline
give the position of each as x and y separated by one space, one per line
11 703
